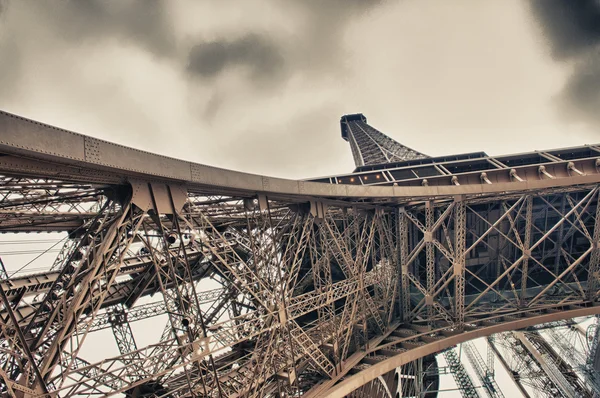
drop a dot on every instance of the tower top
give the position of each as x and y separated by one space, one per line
349 118
370 146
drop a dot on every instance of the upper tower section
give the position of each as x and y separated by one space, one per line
370 146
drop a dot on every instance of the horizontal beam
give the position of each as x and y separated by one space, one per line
46 151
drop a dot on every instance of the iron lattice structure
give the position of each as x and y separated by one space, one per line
269 287
370 146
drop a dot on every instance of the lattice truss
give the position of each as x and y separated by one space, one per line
370 146
309 292
550 359
290 285
419 378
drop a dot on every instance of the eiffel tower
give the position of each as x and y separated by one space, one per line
177 279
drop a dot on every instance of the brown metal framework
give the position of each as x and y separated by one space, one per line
370 146
322 288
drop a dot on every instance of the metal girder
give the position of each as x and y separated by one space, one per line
570 345
526 244
563 381
483 372
461 377
430 260
459 261
506 362
274 287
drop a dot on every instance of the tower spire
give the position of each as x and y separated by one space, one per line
370 146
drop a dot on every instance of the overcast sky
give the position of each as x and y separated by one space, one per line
260 85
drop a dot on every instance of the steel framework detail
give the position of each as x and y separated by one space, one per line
261 286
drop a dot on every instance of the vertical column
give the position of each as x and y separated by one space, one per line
459 373
175 281
405 288
126 341
98 271
430 260
561 234
15 363
490 357
419 377
482 371
526 245
459 259
595 256
512 373
3 273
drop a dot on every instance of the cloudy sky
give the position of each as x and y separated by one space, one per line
259 85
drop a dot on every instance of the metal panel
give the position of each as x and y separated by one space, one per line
20 133
124 158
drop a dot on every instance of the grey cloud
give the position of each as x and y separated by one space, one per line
94 66
256 53
212 107
335 12
79 24
141 22
572 30
316 49
581 94
10 63
326 22
569 26
10 55
312 135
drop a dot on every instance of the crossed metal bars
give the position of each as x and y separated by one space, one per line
260 259
320 288
301 294
370 146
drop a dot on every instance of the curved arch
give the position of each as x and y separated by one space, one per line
113 163
385 386
355 381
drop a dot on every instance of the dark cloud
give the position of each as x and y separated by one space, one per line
77 24
206 73
322 45
141 22
570 26
333 14
315 49
572 30
581 94
256 53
